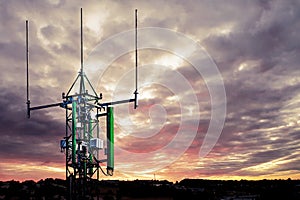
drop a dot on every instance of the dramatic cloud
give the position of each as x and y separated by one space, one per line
254 44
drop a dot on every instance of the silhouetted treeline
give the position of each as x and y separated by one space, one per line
243 189
43 189
154 189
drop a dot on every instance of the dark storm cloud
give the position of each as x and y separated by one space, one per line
261 92
270 37
27 139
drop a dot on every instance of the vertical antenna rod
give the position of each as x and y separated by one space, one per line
27 71
82 88
136 64
81 35
81 40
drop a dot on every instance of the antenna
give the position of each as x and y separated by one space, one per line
81 42
82 86
27 72
136 64
83 142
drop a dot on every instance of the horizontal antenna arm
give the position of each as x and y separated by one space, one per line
115 102
47 106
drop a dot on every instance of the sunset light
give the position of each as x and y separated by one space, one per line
218 87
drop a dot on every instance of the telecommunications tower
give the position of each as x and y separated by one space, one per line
82 144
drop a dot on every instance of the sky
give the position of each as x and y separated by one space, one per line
218 86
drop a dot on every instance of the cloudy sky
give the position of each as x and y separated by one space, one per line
218 82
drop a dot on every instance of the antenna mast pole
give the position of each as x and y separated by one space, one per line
81 34
81 73
27 72
136 64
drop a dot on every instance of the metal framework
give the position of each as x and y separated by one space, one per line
82 143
